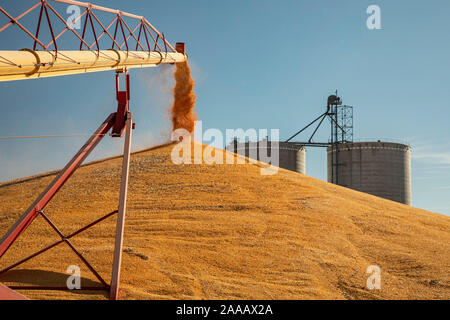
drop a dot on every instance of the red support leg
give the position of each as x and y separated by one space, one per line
120 121
115 278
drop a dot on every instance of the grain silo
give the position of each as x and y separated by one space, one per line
291 156
382 169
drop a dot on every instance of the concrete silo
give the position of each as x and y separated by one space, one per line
382 169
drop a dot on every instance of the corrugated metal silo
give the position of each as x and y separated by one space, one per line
382 169
291 157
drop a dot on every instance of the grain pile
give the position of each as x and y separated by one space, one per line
227 232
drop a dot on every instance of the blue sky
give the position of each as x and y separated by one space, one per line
259 64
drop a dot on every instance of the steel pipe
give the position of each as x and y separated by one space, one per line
30 64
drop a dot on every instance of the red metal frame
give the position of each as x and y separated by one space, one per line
143 25
120 226
123 106
180 47
119 121
33 211
65 239
9 294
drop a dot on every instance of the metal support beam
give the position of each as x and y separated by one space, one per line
115 278
64 238
310 124
312 144
33 211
